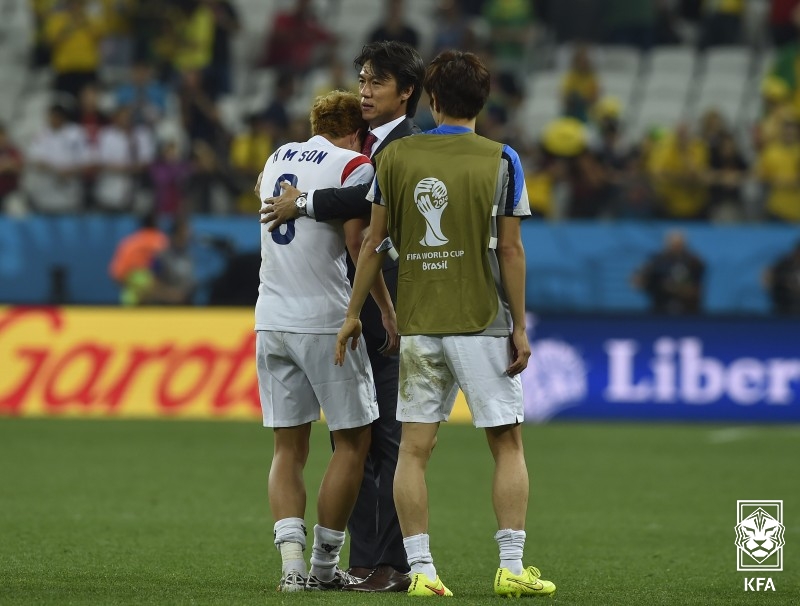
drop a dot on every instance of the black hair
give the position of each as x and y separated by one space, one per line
397 59
460 82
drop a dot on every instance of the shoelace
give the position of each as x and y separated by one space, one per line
346 577
534 572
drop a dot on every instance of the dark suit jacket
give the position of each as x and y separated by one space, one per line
351 202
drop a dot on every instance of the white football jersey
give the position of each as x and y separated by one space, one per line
304 286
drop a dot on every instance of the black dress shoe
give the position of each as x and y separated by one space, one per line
383 578
360 572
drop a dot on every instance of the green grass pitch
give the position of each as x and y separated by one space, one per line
135 512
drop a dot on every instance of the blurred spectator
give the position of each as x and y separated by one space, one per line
511 25
778 169
298 41
147 22
91 120
775 104
679 166
226 25
782 21
56 163
610 150
394 26
169 175
635 197
630 22
74 38
338 77
199 114
249 152
786 66
713 129
567 140
277 112
727 177
499 120
195 38
722 23
133 258
580 88
10 166
543 171
173 270
118 43
144 95
672 278
124 151
453 28
88 115
204 189
40 52
782 282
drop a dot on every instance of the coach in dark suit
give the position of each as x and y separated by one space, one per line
390 82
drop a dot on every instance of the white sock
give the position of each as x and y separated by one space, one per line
325 553
511 543
290 539
418 551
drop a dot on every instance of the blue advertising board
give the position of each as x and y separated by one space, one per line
658 368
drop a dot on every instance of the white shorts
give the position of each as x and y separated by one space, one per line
297 377
433 368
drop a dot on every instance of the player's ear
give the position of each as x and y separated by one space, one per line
434 103
406 94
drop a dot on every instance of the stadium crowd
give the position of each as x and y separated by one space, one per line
122 70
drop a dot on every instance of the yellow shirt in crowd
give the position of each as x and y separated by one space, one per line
731 7
248 152
677 174
196 41
75 43
779 167
585 85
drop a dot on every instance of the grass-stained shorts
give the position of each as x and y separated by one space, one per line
433 368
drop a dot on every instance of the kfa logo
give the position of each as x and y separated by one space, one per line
759 535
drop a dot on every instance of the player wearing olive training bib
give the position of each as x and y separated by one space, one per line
452 203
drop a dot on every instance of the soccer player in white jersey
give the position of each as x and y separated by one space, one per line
303 294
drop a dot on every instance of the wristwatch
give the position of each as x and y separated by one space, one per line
300 204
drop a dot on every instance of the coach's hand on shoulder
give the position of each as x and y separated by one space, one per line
520 352
351 329
278 210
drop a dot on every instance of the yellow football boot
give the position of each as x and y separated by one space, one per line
526 584
421 585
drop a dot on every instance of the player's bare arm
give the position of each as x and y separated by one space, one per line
257 188
354 232
511 257
368 268
278 210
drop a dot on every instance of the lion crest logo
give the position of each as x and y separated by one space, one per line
759 536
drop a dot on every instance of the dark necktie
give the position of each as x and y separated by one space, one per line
369 141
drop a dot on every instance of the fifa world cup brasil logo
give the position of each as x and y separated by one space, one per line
430 194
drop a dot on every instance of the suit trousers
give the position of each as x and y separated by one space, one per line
375 535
